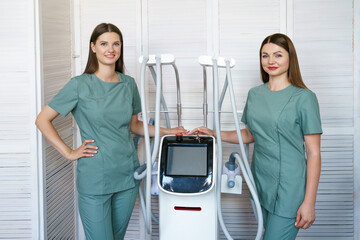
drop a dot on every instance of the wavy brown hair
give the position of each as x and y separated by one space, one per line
92 63
285 42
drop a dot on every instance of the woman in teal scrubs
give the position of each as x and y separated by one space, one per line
105 103
281 115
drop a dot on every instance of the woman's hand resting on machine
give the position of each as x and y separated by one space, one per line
173 131
226 136
202 131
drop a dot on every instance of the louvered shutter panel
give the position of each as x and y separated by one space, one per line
59 180
179 28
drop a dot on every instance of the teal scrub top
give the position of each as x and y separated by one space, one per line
278 121
103 111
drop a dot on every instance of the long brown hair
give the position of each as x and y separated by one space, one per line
92 63
285 42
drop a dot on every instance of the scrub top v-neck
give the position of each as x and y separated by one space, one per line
278 121
103 111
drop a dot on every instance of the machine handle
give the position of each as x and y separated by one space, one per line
140 169
164 59
221 61
231 166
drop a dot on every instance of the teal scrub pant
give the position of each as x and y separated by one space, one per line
278 228
106 217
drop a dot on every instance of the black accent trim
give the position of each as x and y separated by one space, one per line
181 183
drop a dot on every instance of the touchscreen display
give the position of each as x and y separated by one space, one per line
187 160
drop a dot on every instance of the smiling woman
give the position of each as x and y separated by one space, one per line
107 49
105 103
100 38
278 51
275 62
282 118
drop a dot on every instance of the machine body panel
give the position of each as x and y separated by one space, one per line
187 196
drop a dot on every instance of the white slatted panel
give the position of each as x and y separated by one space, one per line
123 15
243 25
323 36
17 193
179 28
120 13
56 40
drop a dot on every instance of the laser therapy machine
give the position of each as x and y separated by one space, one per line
190 172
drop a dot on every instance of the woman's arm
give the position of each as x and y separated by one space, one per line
226 136
44 123
306 213
137 127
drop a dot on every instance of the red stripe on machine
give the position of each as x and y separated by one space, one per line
187 208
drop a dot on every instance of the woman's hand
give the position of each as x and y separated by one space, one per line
83 151
202 131
305 216
137 127
174 131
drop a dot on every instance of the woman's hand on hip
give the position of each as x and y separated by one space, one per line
84 150
305 216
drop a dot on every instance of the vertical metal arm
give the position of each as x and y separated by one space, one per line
178 97
221 100
163 102
146 138
205 105
157 111
219 144
156 144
